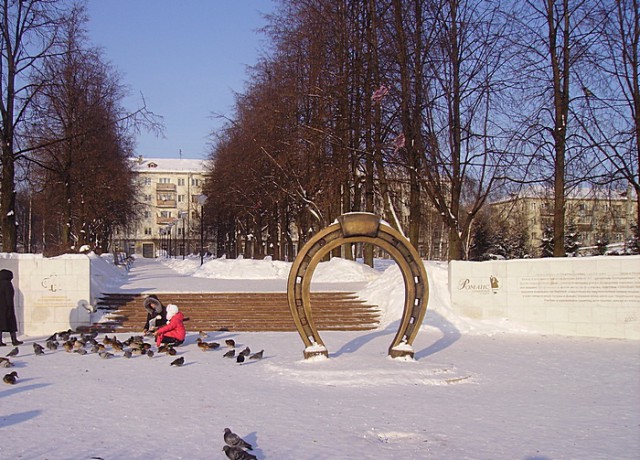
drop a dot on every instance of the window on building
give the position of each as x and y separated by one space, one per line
164 180
180 198
147 231
166 197
147 198
165 213
195 182
181 181
147 214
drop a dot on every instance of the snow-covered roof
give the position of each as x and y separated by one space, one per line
141 164
581 193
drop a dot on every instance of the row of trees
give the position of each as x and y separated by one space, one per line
407 108
65 136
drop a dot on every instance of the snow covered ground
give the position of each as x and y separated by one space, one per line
474 391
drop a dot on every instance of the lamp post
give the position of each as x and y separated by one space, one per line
183 215
171 249
174 246
201 200
161 240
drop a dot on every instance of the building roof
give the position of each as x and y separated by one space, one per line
165 165
582 193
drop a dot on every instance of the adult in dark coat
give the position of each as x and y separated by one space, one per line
156 314
8 322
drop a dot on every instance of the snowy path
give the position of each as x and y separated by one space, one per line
150 275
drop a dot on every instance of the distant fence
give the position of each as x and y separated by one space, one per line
589 297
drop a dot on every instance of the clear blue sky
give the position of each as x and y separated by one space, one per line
186 57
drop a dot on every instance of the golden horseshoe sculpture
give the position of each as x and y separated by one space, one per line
359 228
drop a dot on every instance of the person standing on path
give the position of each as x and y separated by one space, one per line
8 322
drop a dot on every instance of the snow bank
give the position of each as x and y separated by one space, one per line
104 273
336 270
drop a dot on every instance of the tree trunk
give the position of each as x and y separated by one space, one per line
561 111
8 194
455 242
409 114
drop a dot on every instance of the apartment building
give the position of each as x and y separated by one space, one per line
169 203
595 215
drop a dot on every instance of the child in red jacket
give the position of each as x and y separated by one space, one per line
173 332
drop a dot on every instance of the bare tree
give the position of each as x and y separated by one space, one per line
28 34
79 146
463 78
609 97
554 39
295 121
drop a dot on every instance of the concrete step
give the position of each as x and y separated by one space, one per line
254 312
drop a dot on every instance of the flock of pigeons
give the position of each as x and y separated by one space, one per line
231 354
235 448
135 345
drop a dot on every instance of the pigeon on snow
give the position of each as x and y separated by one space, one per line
171 351
178 362
10 378
257 355
204 346
235 453
14 352
234 440
230 354
38 349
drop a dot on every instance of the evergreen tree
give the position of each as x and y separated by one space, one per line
546 244
601 243
517 244
571 240
481 241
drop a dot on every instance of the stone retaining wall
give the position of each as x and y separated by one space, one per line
51 294
589 297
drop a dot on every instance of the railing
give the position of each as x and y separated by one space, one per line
166 187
